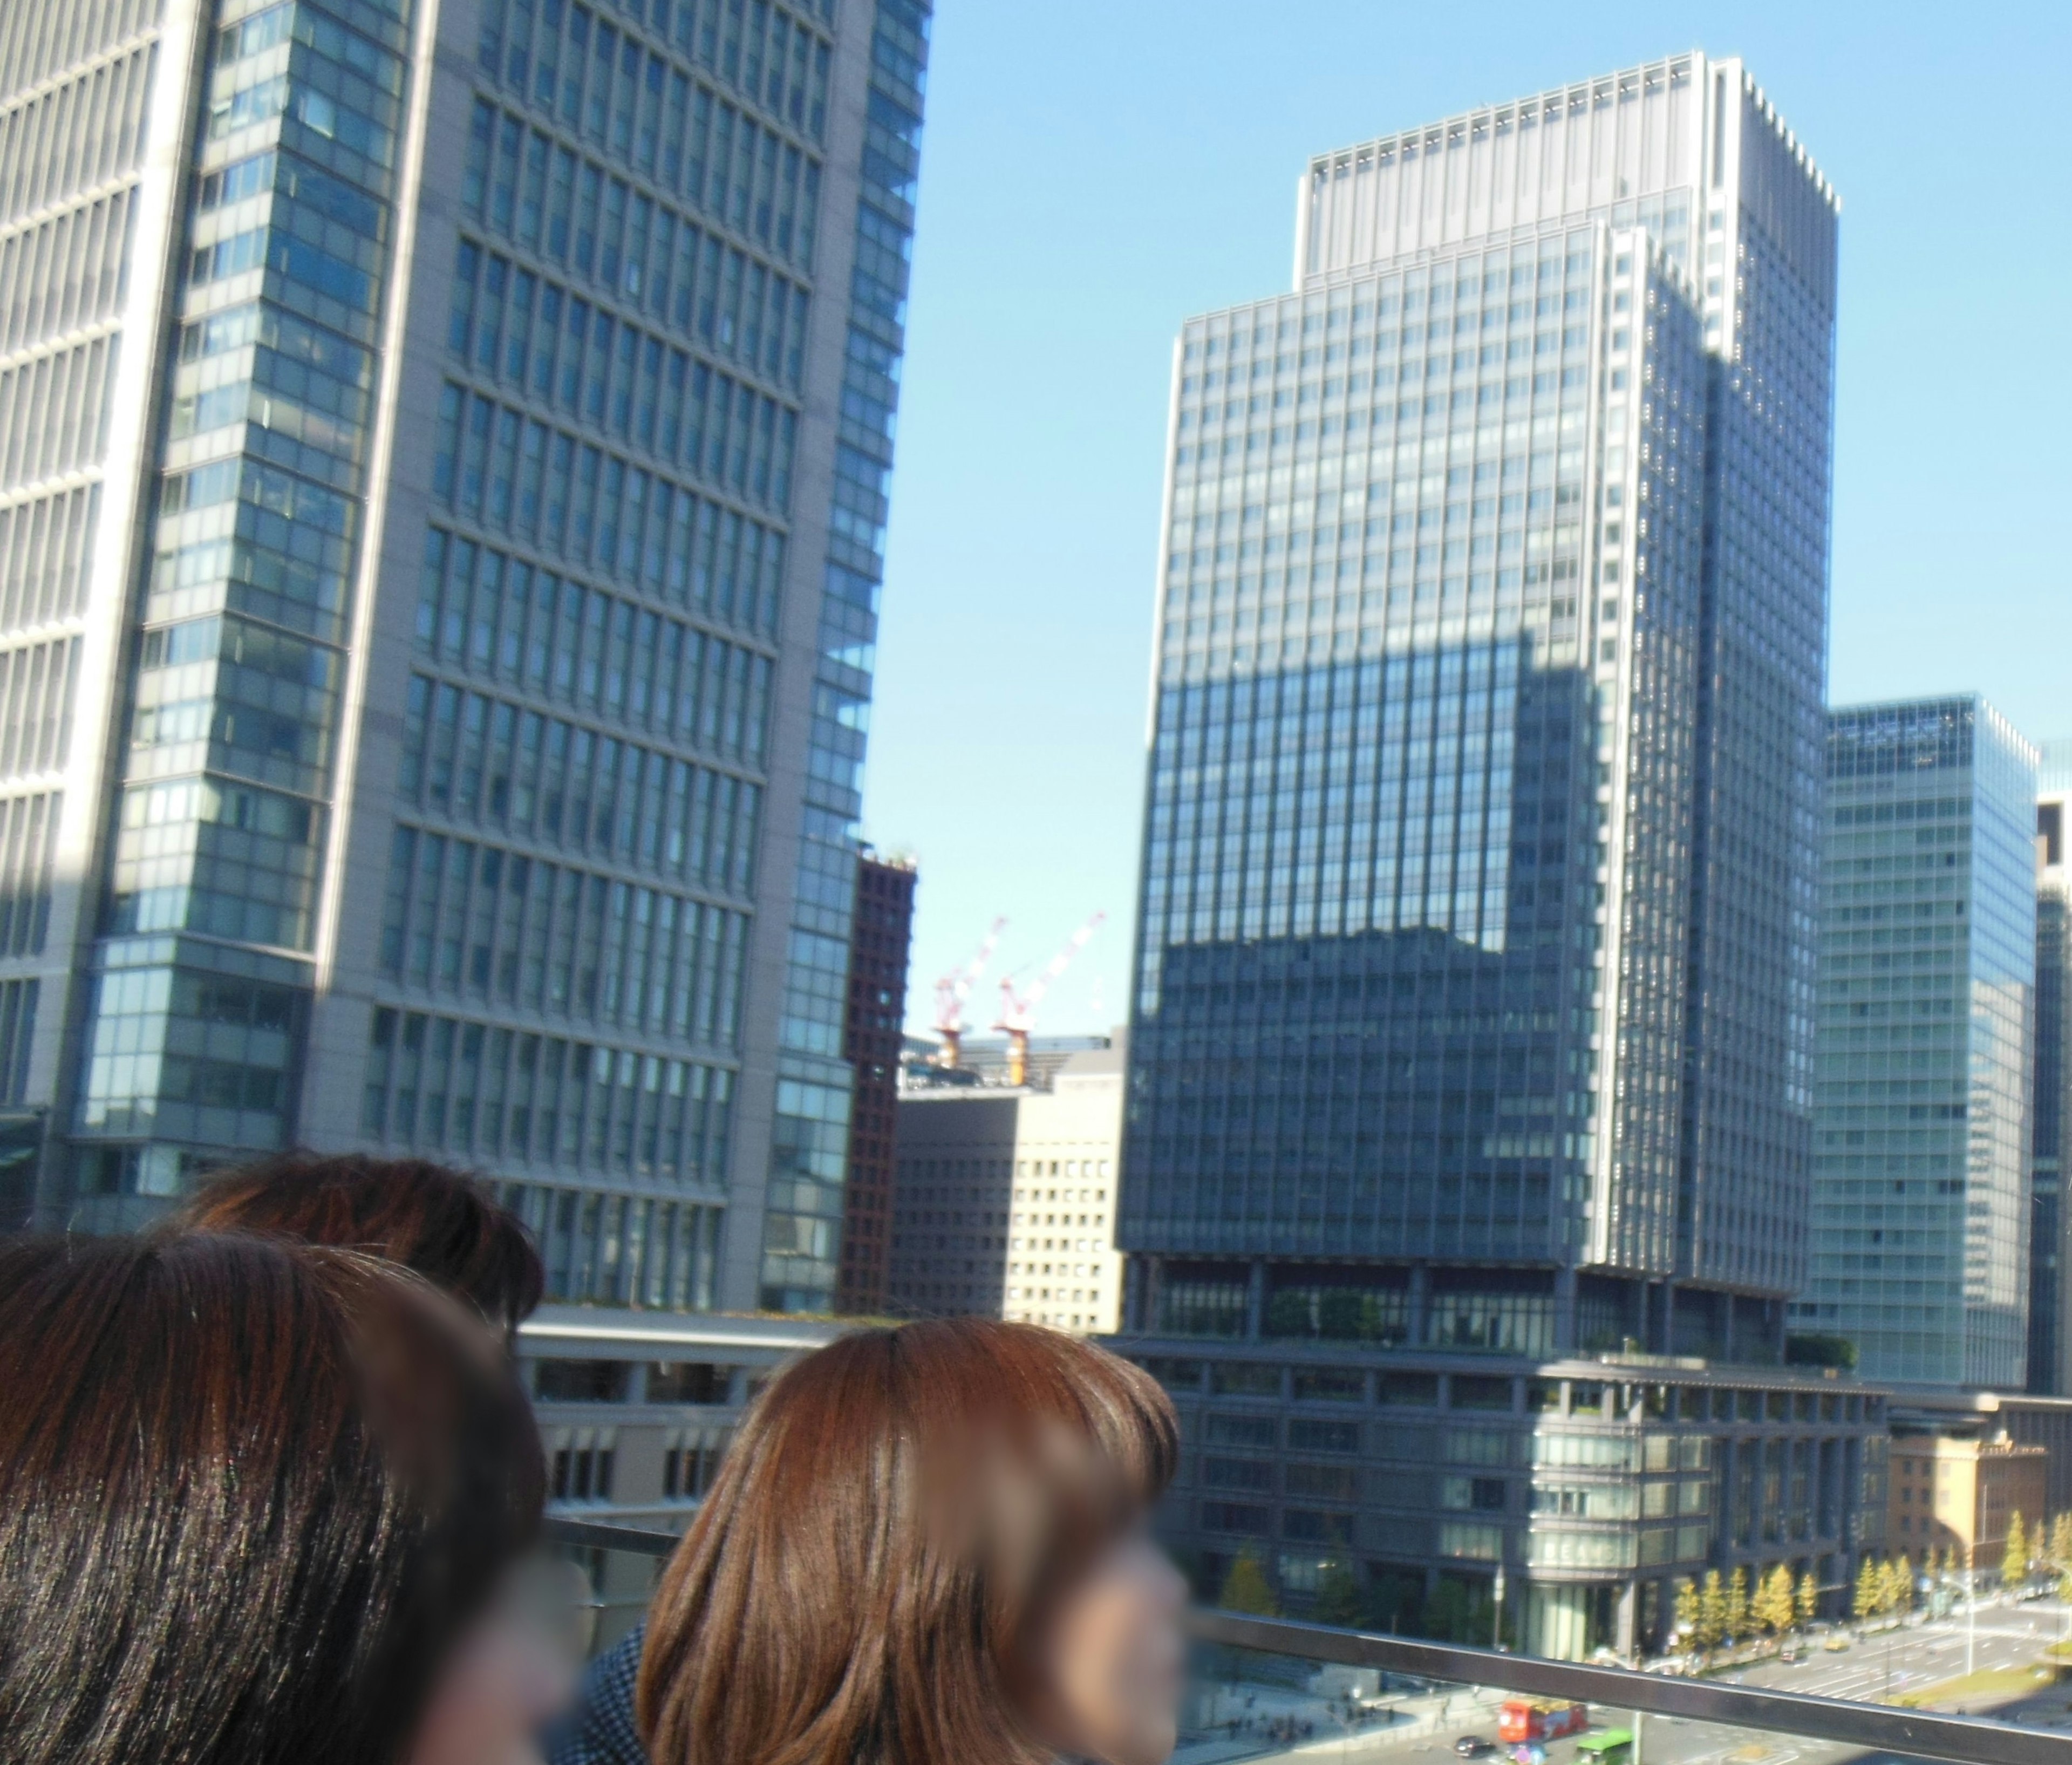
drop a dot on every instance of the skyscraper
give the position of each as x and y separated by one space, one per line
880 948
1928 969
1473 981
1480 839
443 453
2050 1221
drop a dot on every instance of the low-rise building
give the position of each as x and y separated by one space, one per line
636 1410
1958 1495
1005 1197
1586 1488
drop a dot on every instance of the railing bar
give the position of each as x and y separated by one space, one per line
1959 1740
637 1539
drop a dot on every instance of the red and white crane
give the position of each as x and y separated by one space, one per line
953 989
1017 1011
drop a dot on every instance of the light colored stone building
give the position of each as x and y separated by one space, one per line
1004 1199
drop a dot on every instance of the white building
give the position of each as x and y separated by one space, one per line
1004 1199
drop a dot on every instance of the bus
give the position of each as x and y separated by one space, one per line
1541 1719
1613 1746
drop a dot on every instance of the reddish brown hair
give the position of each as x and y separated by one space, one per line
251 1494
883 1534
441 1222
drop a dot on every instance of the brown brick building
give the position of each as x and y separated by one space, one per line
882 936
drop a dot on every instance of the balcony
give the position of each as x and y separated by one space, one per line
1266 1688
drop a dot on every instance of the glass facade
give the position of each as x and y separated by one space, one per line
202 975
1928 953
803 1223
2049 1371
514 502
1492 617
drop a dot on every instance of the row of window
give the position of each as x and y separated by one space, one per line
463 918
636 103
531 332
622 1250
466 1087
484 760
99 115
550 488
46 552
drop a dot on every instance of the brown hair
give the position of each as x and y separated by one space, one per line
441 1222
251 1493
883 1534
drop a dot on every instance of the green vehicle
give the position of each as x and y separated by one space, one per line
1612 1747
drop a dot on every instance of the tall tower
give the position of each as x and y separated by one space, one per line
443 455
2050 1221
1475 979
1928 980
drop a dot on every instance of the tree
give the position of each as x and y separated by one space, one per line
1771 1607
2061 1544
1809 1599
2014 1553
1931 1564
1246 1588
1867 1589
1711 1611
1338 1597
1687 1613
1902 1584
1737 1603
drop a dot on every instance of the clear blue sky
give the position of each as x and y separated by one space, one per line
1092 173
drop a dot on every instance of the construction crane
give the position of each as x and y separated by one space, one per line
951 991
1018 1011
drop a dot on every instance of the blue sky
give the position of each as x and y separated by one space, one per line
1093 173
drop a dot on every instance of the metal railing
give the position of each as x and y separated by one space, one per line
1926 1734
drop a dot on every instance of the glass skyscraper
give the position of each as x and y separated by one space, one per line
443 461
1474 972
1474 976
1927 978
2049 1367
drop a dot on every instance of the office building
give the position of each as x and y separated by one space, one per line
1610 1478
2049 1254
1956 1495
1005 1196
443 456
1928 951
880 947
1474 971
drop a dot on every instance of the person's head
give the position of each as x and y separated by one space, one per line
258 1501
925 1547
441 1222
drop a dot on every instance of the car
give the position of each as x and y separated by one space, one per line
1791 1654
1473 1747
1836 1644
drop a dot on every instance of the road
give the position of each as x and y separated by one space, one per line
1904 1659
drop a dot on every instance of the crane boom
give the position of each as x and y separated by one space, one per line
1018 1011
953 989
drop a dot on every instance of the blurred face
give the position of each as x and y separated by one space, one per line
511 1672
1110 1662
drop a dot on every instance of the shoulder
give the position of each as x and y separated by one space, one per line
599 1731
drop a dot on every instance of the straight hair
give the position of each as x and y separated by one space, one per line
893 1520
251 1494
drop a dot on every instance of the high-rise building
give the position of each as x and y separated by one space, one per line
2050 1221
1474 970
1003 1202
443 456
1928 958
881 943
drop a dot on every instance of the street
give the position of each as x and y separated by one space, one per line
1423 1728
